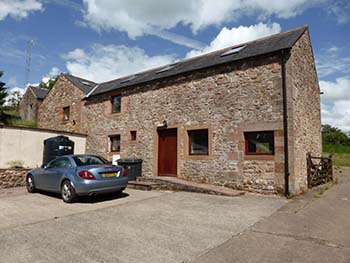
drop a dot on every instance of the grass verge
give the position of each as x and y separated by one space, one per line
340 159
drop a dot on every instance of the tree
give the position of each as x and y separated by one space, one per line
3 93
13 99
49 84
332 135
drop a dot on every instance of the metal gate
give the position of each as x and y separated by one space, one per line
319 170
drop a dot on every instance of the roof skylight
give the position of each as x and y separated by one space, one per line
232 51
86 83
166 68
128 79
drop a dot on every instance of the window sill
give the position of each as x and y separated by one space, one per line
262 157
199 157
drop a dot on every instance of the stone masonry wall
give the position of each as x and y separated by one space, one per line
29 105
228 100
63 94
12 177
305 119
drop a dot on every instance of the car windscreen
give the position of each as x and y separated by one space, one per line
89 160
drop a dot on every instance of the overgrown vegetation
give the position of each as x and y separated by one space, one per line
337 143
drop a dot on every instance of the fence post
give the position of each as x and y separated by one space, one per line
331 167
308 160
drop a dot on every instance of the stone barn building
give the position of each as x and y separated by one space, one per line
62 108
242 117
30 103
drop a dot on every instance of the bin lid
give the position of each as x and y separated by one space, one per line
129 160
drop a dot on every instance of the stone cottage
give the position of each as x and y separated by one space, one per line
242 117
62 108
30 103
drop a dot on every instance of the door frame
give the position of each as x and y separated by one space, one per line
156 149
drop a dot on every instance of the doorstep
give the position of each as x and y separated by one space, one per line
176 184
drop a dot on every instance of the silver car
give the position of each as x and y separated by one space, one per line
77 175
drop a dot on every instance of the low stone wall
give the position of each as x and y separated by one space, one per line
12 177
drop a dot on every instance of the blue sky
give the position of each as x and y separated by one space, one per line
104 39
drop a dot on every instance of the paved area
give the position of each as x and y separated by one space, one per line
191 186
137 227
312 228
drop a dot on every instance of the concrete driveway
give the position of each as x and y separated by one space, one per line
136 227
313 228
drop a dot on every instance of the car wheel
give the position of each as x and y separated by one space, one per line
30 184
68 192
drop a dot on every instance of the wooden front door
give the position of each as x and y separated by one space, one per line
167 152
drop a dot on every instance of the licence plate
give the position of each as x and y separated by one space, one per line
112 174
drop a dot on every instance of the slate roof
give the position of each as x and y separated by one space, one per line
254 48
83 84
39 92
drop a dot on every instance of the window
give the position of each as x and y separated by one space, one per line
198 142
83 160
66 111
116 104
128 79
232 51
115 143
133 135
259 143
60 163
166 68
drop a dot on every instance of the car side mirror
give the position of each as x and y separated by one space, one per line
43 166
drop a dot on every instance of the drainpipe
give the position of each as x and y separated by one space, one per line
285 124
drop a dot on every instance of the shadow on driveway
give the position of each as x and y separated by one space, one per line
89 199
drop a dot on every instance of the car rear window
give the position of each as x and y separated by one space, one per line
89 160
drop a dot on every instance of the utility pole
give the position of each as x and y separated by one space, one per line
28 61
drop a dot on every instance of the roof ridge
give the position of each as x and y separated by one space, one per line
36 87
70 75
210 53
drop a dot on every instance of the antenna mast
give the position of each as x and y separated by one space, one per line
28 61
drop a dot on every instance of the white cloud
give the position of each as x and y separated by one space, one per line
334 91
333 60
237 35
106 62
53 73
139 17
337 115
336 103
341 9
18 8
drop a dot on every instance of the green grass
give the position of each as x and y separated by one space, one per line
331 148
341 159
340 153
25 123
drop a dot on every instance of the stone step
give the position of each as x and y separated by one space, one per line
143 185
176 184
